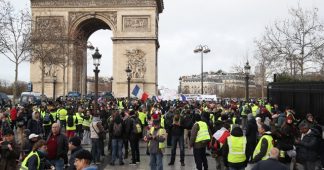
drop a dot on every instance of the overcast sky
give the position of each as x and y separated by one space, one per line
228 27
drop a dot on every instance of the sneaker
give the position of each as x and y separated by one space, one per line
121 163
171 163
182 164
112 164
133 163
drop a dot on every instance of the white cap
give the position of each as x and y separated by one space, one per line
33 135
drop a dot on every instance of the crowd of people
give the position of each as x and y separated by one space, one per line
234 133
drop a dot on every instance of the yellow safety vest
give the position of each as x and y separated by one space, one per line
24 163
212 117
43 116
258 147
86 122
203 133
161 132
236 149
254 110
120 105
79 117
162 121
268 107
142 117
62 114
67 126
54 114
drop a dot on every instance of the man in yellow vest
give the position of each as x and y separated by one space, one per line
200 136
156 138
71 122
234 150
79 116
86 128
62 113
261 151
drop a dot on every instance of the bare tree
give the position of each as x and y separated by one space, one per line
296 41
46 38
14 36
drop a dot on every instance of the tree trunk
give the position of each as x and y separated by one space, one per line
15 83
42 79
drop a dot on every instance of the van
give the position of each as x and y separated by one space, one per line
4 100
31 98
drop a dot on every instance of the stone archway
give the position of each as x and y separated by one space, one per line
134 25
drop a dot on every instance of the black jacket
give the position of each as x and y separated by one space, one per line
33 162
309 147
74 152
270 164
62 143
263 149
35 126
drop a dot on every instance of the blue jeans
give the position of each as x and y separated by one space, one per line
117 148
156 161
95 150
175 141
58 163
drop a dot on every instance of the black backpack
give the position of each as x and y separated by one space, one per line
47 118
137 127
118 129
70 121
188 121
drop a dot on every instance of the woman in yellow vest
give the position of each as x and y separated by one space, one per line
234 150
156 138
36 158
261 151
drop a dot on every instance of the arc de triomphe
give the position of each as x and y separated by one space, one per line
134 26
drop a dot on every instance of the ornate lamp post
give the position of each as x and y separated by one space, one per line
247 69
129 76
202 49
180 81
54 82
96 62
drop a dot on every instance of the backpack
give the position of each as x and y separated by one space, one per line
47 118
137 128
70 121
118 129
188 121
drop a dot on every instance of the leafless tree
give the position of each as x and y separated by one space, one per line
46 38
296 41
14 36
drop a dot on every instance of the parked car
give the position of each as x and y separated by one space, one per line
4 100
74 94
31 98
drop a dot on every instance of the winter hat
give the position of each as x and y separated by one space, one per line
8 132
75 141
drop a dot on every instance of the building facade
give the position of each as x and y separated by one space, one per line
217 83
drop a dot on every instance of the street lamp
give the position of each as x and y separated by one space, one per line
54 82
129 76
202 49
111 84
96 62
180 79
247 69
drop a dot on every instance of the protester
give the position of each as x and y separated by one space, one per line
75 147
96 129
264 145
271 163
83 160
177 137
156 138
10 151
116 129
57 147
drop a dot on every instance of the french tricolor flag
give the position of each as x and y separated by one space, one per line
138 92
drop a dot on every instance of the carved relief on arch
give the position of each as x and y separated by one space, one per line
136 62
111 16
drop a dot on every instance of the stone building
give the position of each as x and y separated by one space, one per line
220 83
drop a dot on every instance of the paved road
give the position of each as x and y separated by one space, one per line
145 159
